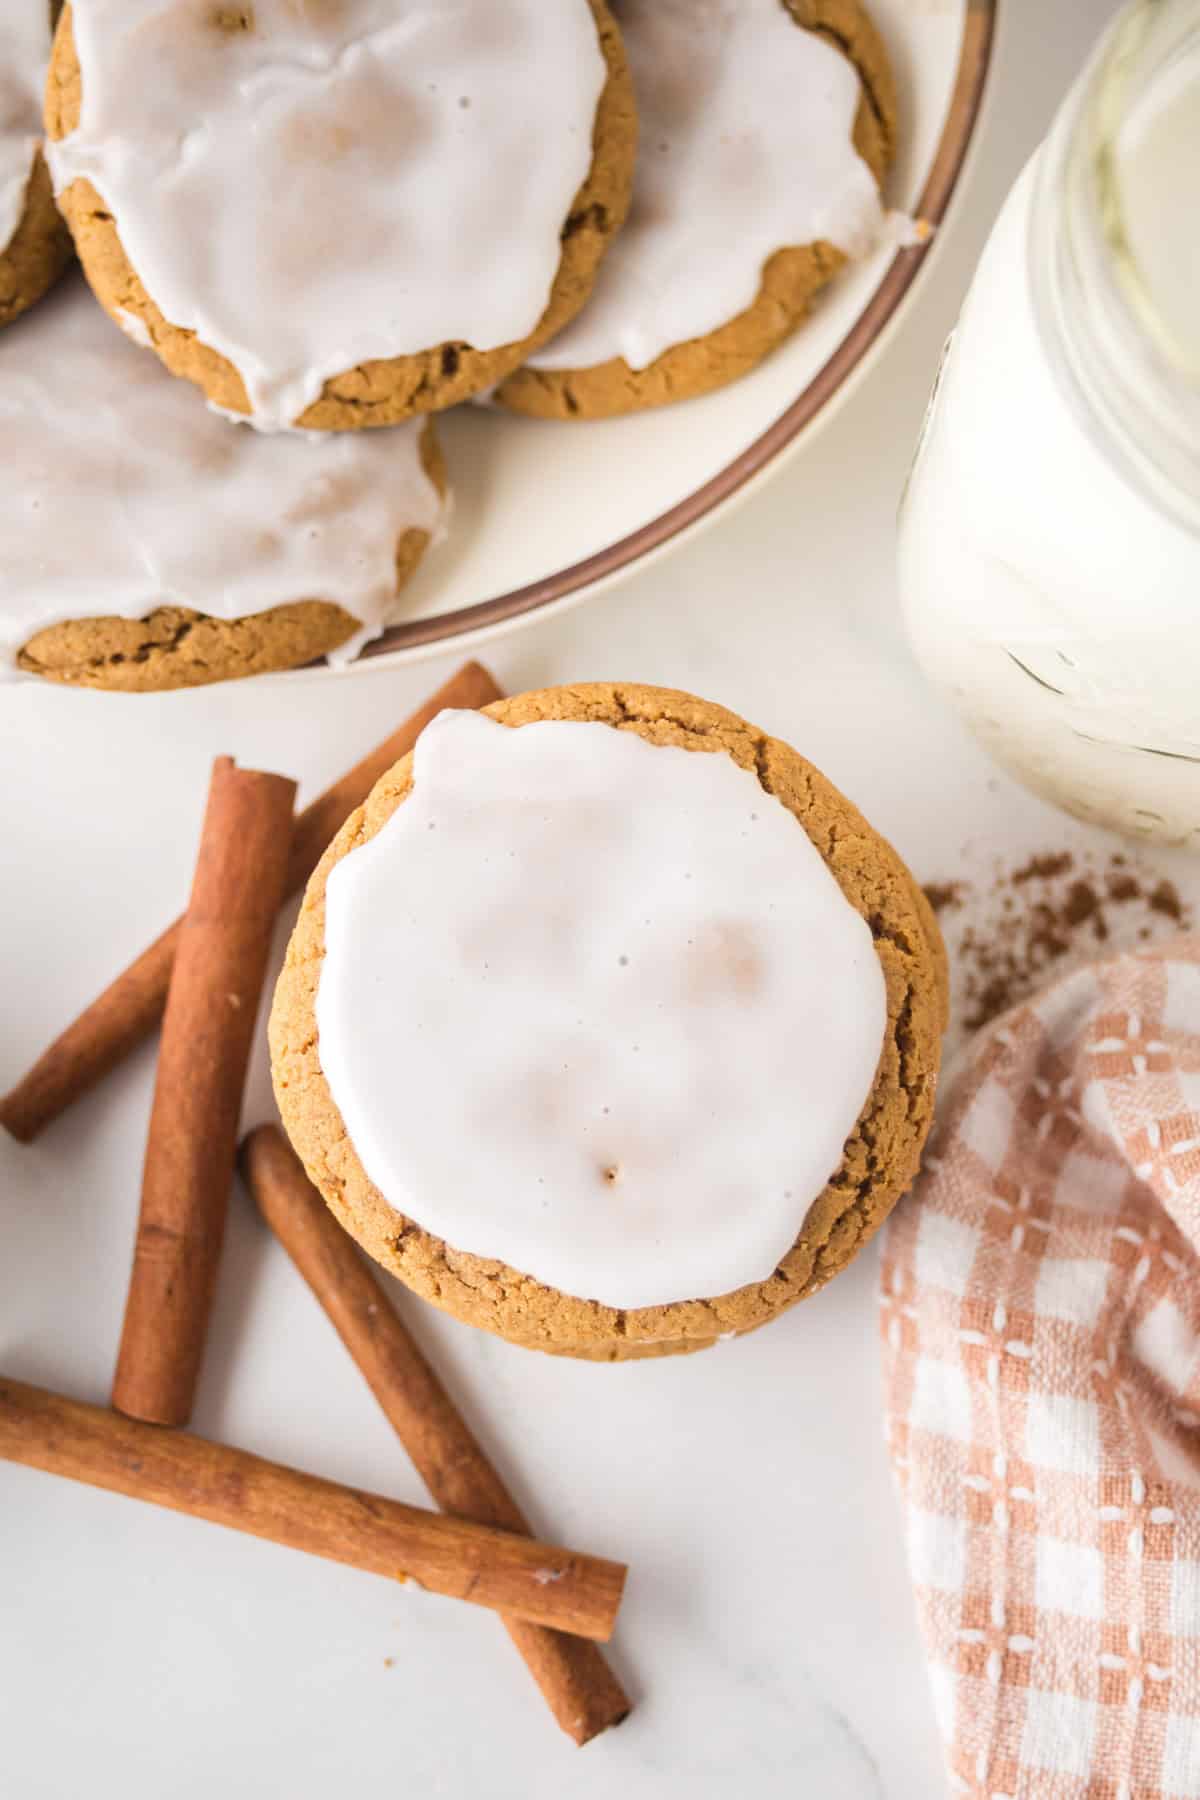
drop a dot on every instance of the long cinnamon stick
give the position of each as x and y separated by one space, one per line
579 1687
128 1010
208 1026
498 1569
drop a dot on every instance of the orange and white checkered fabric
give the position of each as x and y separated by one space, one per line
1041 1326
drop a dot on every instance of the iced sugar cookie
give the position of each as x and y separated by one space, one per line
766 127
608 1024
149 543
35 246
359 211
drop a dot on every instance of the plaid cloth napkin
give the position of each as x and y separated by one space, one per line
1041 1326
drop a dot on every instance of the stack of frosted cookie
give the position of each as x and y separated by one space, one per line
329 220
608 1024
292 209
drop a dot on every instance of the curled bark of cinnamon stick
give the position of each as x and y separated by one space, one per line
128 1010
497 1569
212 1006
579 1687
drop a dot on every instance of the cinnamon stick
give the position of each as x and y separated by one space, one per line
128 1010
498 1569
579 1687
208 1027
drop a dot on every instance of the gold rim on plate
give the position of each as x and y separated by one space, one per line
961 119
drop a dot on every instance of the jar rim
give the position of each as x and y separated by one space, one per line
1177 26
1099 319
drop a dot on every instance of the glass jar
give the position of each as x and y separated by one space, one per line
1050 532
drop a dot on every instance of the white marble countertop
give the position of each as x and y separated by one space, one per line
768 1633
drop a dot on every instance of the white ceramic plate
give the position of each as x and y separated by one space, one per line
547 512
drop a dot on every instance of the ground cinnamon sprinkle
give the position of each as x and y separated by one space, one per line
941 894
1054 911
1043 868
1165 899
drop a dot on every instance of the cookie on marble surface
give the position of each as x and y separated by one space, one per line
767 128
879 1154
35 245
386 242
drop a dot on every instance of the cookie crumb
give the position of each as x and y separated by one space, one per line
232 19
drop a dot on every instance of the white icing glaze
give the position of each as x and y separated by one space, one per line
597 1008
744 148
24 50
129 493
349 180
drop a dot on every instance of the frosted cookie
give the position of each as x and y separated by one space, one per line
608 1024
149 543
360 211
766 128
35 246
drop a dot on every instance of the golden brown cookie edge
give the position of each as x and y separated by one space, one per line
792 280
174 647
38 251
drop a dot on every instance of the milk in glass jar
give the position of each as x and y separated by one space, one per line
1050 534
